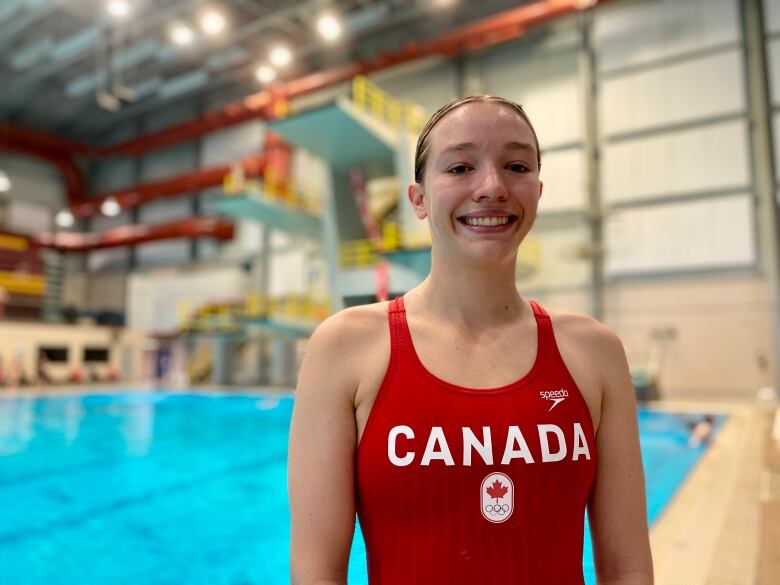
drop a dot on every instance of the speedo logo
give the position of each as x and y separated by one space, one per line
556 396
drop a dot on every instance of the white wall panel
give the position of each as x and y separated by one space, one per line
166 251
309 176
247 241
563 174
162 253
112 175
288 272
170 162
28 217
683 236
155 301
546 84
690 90
776 134
559 264
164 210
697 159
110 258
168 116
772 15
631 33
232 144
773 65
33 180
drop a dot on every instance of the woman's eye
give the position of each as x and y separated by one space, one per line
457 169
518 167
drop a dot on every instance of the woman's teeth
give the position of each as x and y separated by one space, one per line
487 221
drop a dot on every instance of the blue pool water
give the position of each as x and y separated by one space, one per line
161 488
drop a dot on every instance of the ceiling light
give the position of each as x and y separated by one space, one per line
182 34
329 27
110 207
280 56
5 182
64 219
265 74
212 22
118 8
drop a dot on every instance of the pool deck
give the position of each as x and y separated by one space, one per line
722 527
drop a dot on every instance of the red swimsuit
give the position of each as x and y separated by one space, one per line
462 486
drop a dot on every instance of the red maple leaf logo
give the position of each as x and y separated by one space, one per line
496 490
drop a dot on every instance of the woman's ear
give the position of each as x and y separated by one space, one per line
417 199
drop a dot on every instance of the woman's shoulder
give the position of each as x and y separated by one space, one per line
580 334
352 327
339 350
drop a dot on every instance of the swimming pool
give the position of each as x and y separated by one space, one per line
168 488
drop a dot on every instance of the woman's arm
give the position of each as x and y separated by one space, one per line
617 508
321 458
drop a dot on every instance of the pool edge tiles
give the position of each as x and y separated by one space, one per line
33 392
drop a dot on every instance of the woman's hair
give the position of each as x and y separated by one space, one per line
423 144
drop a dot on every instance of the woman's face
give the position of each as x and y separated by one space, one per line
481 186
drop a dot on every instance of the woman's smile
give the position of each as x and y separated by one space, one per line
488 222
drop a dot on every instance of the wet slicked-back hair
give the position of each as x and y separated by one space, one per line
423 144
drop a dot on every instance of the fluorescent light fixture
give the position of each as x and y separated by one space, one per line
64 219
212 22
110 207
265 74
5 182
181 34
329 27
118 8
280 56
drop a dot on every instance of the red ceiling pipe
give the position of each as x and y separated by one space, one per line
12 136
253 167
484 33
131 235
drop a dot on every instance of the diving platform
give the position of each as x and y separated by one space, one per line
287 328
340 133
274 213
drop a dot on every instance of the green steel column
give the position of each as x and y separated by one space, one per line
762 150
590 139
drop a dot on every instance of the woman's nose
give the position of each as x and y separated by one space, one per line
491 186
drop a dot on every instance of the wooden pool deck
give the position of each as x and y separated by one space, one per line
723 526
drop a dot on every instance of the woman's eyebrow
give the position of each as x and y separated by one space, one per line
519 146
460 147
467 146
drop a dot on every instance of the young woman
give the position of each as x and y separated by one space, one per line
467 428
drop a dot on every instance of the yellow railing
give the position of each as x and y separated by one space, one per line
362 253
15 243
228 315
307 200
368 96
22 283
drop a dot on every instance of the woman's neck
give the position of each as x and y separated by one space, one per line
473 295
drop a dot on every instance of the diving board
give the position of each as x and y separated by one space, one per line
339 133
273 213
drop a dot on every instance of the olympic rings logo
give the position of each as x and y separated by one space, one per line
497 509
